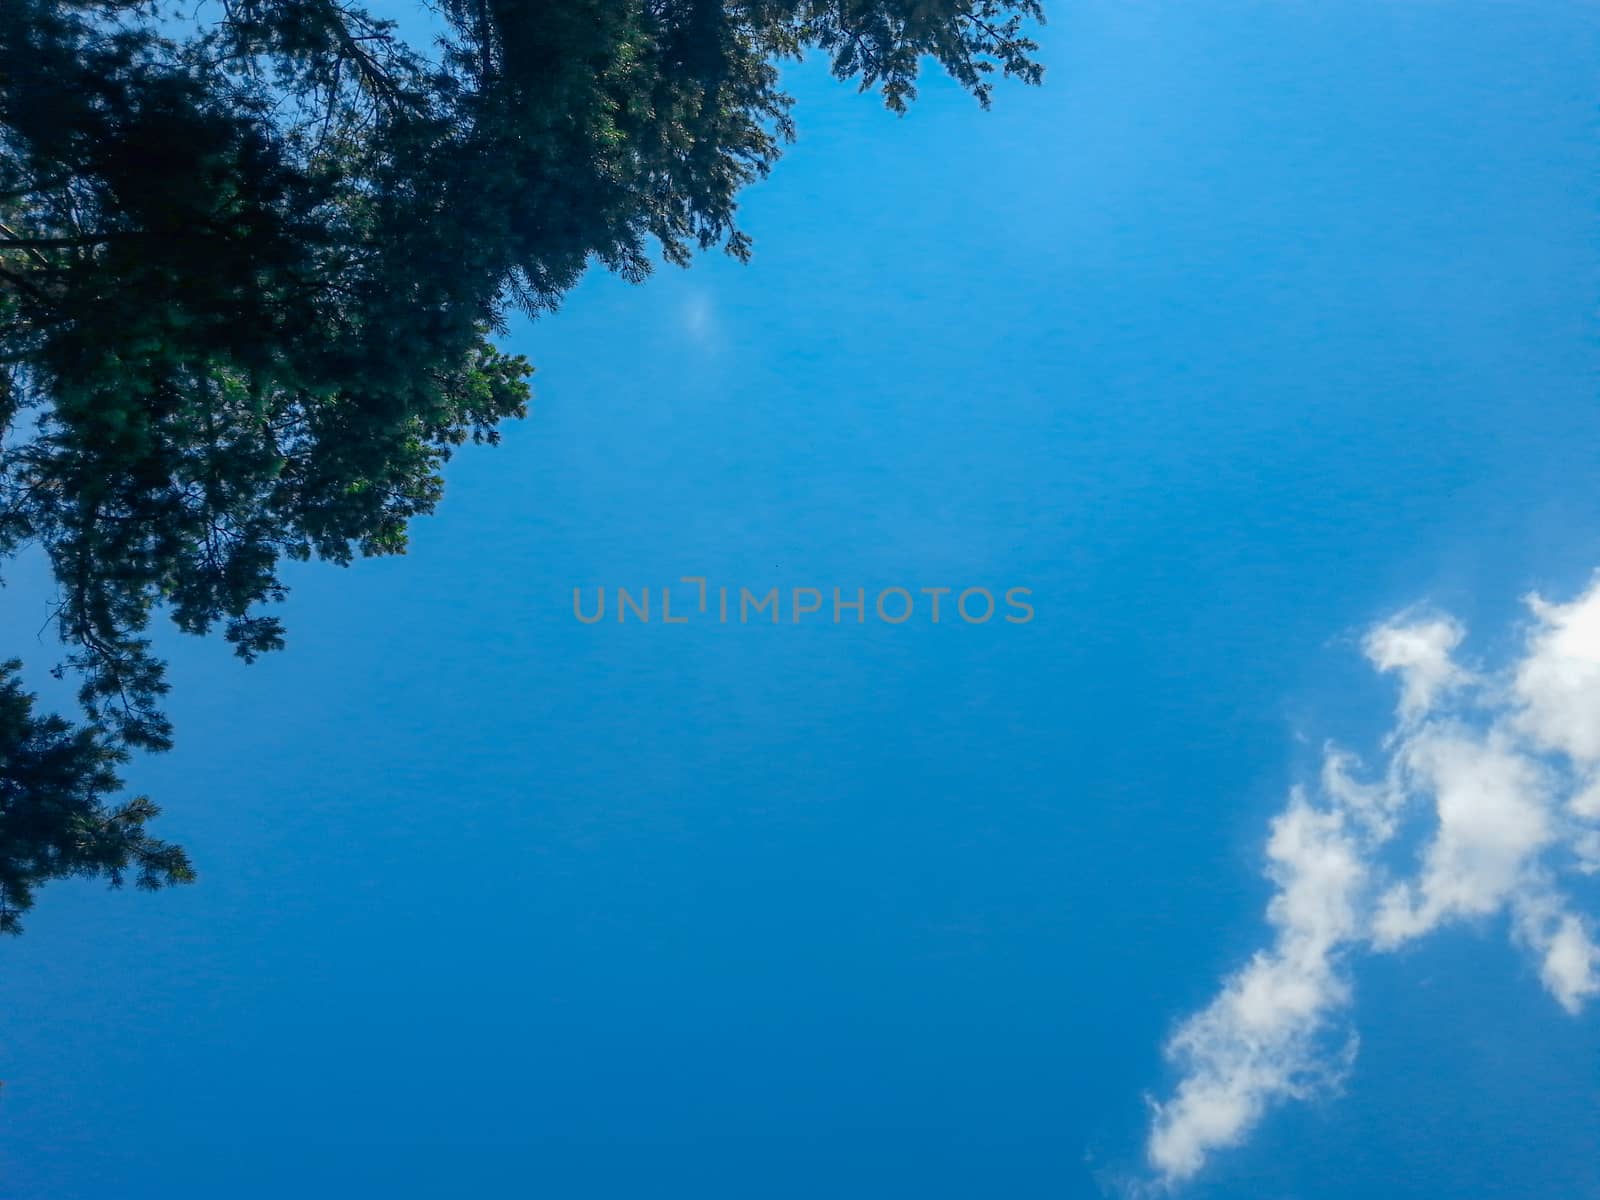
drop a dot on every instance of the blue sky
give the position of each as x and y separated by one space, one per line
1254 326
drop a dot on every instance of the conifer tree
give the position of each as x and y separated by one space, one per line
252 255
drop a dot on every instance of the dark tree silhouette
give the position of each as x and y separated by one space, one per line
251 255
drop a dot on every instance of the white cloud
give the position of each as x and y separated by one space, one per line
1558 683
1498 774
1569 961
1261 1038
1419 650
1492 820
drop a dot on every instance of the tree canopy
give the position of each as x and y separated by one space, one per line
252 257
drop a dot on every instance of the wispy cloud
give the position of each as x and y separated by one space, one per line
1499 774
698 317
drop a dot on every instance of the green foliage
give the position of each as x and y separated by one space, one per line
252 252
54 820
